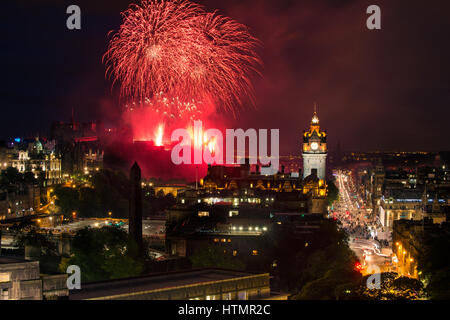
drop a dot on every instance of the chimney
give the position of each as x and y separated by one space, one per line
245 168
135 214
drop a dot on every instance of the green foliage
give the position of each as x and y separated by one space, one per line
89 203
434 263
67 199
214 256
35 239
45 249
106 253
393 287
322 259
28 177
335 283
112 189
333 192
109 192
11 176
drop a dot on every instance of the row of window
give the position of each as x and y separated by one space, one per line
254 252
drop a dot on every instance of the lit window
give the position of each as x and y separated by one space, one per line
232 213
4 277
216 240
234 253
203 213
255 252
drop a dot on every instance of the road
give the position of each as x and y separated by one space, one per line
362 228
152 228
149 227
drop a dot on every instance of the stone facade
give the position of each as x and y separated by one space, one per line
21 280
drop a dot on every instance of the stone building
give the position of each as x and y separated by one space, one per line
410 239
42 162
20 280
19 202
201 284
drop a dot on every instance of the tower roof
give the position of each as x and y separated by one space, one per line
314 130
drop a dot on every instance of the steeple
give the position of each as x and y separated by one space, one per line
314 148
315 118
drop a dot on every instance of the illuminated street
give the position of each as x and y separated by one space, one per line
354 215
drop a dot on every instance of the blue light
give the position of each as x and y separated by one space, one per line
17 139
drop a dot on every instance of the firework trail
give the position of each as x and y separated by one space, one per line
175 50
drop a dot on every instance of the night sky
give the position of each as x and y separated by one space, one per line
386 89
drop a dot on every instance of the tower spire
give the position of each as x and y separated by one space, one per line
315 118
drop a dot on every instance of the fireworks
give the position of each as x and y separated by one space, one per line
175 50
159 136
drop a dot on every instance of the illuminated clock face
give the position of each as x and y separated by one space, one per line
314 146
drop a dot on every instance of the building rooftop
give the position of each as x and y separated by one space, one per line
155 282
10 260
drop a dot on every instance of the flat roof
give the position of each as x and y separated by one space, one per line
154 282
10 260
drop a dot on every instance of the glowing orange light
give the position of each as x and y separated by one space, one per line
159 136
212 145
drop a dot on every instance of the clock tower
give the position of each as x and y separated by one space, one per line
314 149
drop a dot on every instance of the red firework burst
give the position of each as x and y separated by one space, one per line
176 49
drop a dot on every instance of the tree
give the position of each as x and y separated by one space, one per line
321 259
67 199
45 250
333 192
336 283
106 253
28 177
89 203
392 287
214 256
10 176
434 264
112 190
